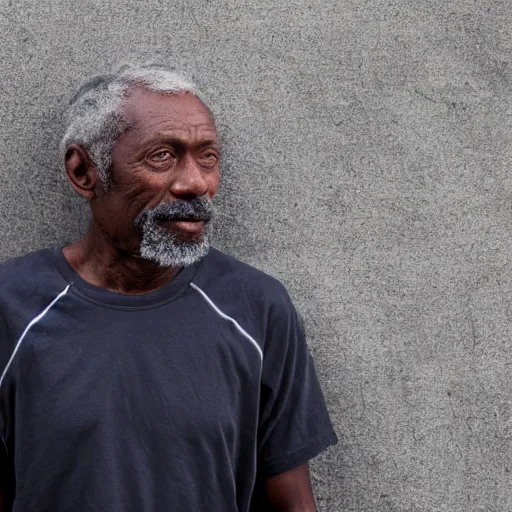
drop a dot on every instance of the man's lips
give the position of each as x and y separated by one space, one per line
191 226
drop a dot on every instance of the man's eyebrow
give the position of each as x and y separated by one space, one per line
210 143
176 140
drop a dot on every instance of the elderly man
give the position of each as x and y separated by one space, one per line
141 369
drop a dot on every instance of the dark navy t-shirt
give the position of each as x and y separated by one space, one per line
181 399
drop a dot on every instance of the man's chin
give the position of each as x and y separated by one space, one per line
175 243
176 253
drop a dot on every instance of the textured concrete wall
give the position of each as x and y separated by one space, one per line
369 169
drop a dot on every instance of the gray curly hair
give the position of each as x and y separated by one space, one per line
93 116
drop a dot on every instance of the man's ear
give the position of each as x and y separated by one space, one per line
81 171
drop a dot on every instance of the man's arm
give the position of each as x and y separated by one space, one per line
291 491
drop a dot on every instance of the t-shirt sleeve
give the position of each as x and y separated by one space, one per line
294 423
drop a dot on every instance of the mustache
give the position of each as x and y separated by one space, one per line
199 208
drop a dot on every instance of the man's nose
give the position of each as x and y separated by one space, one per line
189 180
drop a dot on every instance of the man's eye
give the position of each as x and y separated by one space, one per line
210 158
160 155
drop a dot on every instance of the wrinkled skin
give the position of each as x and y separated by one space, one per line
170 152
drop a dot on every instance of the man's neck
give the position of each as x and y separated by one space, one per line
101 264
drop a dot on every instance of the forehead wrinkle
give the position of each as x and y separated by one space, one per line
137 112
198 134
181 123
170 122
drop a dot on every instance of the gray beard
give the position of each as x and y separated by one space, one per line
162 246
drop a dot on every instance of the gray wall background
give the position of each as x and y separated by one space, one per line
369 150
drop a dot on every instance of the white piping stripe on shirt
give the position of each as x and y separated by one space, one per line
5 446
229 319
29 326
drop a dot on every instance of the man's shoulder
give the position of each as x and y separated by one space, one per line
220 266
229 279
27 271
24 262
258 301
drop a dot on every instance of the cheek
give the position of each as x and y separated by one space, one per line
136 195
139 189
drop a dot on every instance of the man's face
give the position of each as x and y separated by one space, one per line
165 170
